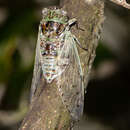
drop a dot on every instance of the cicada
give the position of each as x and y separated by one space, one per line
57 59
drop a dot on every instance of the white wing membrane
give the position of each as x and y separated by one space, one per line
70 83
37 68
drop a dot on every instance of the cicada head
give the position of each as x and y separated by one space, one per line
53 22
55 15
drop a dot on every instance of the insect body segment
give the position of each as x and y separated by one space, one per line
51 66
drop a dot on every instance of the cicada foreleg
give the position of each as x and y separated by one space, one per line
74 21
77 41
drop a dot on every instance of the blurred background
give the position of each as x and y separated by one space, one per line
107 103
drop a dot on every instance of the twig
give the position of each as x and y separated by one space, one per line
122 3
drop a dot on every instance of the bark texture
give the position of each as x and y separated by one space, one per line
47 111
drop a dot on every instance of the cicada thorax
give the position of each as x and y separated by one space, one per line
52 29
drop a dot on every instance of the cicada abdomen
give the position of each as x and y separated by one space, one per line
57 59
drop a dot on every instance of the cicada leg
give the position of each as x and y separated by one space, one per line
78 62
77 41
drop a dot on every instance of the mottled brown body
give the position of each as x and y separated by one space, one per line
51 44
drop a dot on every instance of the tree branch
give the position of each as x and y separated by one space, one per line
47 111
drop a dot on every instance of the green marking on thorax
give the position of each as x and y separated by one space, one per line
55 20
56 17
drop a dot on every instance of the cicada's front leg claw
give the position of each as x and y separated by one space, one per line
122 3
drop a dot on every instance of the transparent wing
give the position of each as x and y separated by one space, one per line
70 83
37 69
